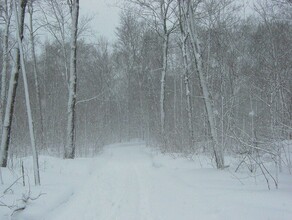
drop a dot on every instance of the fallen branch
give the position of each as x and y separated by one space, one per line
21 203
24 200
6 190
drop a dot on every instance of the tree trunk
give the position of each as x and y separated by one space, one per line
27 101
70 141
5 62
162 86
184 38
11 93
218 152
141 106
174 105
35 71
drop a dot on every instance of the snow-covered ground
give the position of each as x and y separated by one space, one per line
132 182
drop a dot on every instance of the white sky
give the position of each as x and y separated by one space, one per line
106 16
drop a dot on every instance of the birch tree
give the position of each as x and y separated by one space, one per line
6 131
27 101
161 12
70 142
7 12
35 69
184 38
197 54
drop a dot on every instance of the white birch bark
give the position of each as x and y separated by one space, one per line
142 120
27 102
162 85
174 104
218 151
11 93
5 61
164 7
35 71
70 142
184 38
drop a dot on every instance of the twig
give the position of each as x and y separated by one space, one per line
253 147
235 177
22 171
243 161
275 182
5 191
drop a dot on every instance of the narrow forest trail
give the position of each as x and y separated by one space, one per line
128 182
118 188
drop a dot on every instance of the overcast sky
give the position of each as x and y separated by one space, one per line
106 16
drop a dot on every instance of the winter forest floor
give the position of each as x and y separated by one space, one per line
132 182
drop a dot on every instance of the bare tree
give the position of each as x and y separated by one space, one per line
70 142
6 132
55 18
35 69
161 12
6 17
27 101
184 38
197 54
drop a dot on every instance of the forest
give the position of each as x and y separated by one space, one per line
186 113
187 77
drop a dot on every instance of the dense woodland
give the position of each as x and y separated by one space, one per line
194 76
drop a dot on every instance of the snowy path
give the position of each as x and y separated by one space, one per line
117 188
129 182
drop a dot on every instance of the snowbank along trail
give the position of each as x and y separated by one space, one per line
131 182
